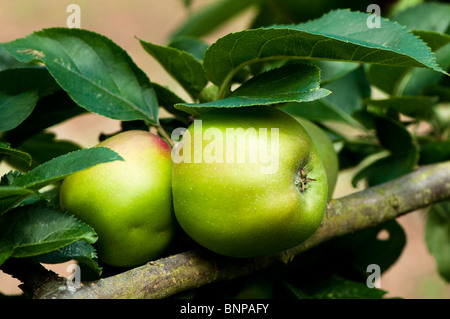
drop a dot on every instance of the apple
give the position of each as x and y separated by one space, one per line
248 182
128 203
326 151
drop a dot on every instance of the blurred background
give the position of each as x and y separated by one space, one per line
413 276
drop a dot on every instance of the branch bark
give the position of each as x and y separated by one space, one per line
191 269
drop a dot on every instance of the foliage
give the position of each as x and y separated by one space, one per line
312 60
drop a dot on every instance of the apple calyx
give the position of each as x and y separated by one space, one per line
302 180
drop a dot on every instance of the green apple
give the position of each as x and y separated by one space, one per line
128 203
236 203
326 151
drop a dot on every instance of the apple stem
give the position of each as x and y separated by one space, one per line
164 135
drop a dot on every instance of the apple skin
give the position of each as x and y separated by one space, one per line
128 203
235 210
326 151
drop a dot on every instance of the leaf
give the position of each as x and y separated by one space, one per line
296 292
42 147
64 165
435 40
19 80
9 178
211 16
266 15
366 247
385 169
386 77
402 159
6 250
441 91
96 73
353 152
183 66
419 107
7 61
332 70
19 187
49 111
9 191
341 105
291 83
37 229
437 236
167 99
339 35
5 148
433 16
14 109
190 44
418 79
334 287
386 129
340 288
430 21
80 251
10 195
434 152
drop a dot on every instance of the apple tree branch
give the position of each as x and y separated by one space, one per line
191 269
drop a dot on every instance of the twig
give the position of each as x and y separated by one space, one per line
188 270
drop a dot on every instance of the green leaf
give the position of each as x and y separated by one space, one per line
183 66
367 247
14 109
418 79
5 148
211 16
334 287
340 288
434 152
387 129
18 187
190 44
49 111
442 92
433 16
99 75
386 169
6 250
80 251
420 107
37 229
64 165
42 147
354 151
386 77
291 83
437 237
332 70
296 292
8 191
7 61
402 158
19 80
9 178
435 40
430 21
341 105
10 195
339 35
167 99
